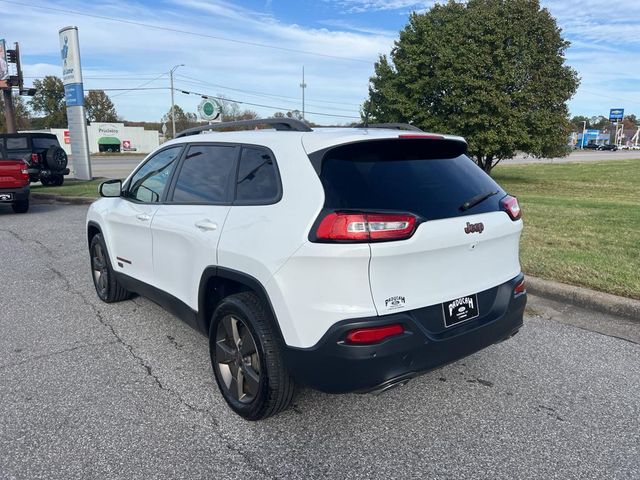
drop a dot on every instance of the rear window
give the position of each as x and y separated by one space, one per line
17 143
44 142
430 178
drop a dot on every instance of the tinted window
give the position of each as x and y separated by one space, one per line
44 142
205 174
17 143
257 176
428 178
148 184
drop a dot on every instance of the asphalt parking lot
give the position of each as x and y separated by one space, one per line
89 390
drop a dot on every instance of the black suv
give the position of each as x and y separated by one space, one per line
608 146
46 160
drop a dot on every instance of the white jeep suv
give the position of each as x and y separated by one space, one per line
346 259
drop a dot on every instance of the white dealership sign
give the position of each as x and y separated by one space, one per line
74 97
70 52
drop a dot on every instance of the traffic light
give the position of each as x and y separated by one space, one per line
12 56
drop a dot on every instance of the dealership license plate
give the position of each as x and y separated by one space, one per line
460 310
5 197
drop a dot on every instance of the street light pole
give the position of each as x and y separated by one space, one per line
584 131
173 115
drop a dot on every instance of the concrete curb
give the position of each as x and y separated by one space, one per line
52 198
583 297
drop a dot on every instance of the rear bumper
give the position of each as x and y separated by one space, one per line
336 367
44 173
19 194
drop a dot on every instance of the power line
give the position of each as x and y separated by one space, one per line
137 76
204 95
186 32
262 94
140 86
294 101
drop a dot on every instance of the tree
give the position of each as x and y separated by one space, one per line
490 70
231 110
577 124
184 119
23 116
295 114
630 122
99 107
242 115
48 101
598 122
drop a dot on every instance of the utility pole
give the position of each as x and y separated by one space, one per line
173 115
9 113
303 86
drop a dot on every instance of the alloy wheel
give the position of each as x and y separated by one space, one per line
237 358
100 270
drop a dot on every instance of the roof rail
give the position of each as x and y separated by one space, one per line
281 124
393 126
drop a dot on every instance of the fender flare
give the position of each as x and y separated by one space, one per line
245 279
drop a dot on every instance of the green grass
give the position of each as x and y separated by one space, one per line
582 222
72 188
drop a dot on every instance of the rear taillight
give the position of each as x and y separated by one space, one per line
35 158
512 207
25 172
520 288
365 336
365 227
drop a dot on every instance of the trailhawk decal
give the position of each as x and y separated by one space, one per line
394 302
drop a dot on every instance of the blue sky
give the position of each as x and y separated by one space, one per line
336 40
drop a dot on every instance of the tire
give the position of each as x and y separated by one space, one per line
52 180
21 207
57 180
56 158
266 388
107 286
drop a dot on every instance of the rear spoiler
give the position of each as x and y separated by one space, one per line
425 146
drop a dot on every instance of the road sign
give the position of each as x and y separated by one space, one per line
616 114
209 110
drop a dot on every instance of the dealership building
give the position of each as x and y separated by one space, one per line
112 137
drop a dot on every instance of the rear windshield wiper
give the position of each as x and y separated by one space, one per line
473 201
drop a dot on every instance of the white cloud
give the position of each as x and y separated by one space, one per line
359 6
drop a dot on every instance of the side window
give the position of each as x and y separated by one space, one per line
148 184
19 143
205 174
257 177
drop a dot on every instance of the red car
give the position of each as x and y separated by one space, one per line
14 184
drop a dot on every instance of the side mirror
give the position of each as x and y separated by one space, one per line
110 188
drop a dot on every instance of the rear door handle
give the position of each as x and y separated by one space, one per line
206 225
143 217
